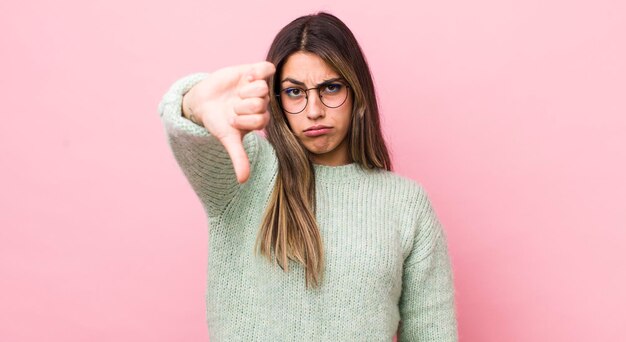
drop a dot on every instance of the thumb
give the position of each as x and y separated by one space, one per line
241 164
259 71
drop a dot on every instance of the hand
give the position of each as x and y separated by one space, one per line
231 102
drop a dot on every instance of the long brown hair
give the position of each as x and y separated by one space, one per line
289 228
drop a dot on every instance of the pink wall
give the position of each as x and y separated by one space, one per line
510 113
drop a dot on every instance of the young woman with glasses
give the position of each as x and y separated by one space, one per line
312 237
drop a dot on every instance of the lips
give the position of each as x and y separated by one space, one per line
318 130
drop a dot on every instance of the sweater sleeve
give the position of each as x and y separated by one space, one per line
201 156
427 308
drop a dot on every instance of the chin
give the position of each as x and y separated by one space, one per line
317 150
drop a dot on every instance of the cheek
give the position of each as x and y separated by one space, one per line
346 119
348 111
292 123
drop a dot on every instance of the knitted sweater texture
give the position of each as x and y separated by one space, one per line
386 270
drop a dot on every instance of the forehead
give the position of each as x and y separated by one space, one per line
308 68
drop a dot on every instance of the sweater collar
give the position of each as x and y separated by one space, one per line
341 173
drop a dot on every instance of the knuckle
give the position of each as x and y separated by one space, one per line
265 119
258 105
238 108
256 122
262 87
243 91
264 92
252 122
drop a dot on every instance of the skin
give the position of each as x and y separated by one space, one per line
229 103
233 101
328 149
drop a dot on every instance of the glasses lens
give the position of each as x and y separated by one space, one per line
293 99
334 94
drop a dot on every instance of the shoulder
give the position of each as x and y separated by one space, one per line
399 186
413 211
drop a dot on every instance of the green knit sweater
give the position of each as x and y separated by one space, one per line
386 260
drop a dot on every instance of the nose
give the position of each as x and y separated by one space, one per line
315 107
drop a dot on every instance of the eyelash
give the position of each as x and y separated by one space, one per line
337 85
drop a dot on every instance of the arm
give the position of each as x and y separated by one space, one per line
427 307
201 156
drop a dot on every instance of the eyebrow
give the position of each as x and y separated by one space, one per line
289 79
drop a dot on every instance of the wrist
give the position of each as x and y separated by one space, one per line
188 112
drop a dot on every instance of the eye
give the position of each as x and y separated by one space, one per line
294 92
333 88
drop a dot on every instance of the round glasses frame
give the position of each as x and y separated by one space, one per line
306 96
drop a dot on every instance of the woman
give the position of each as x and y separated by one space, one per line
361 252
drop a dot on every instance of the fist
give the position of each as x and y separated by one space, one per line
231 102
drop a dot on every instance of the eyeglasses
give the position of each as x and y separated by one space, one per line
294 100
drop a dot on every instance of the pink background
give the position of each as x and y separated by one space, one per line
510 113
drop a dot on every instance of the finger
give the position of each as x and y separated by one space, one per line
254 105
241 164
260 71
256 88
251 122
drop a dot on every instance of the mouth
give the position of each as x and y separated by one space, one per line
317 130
